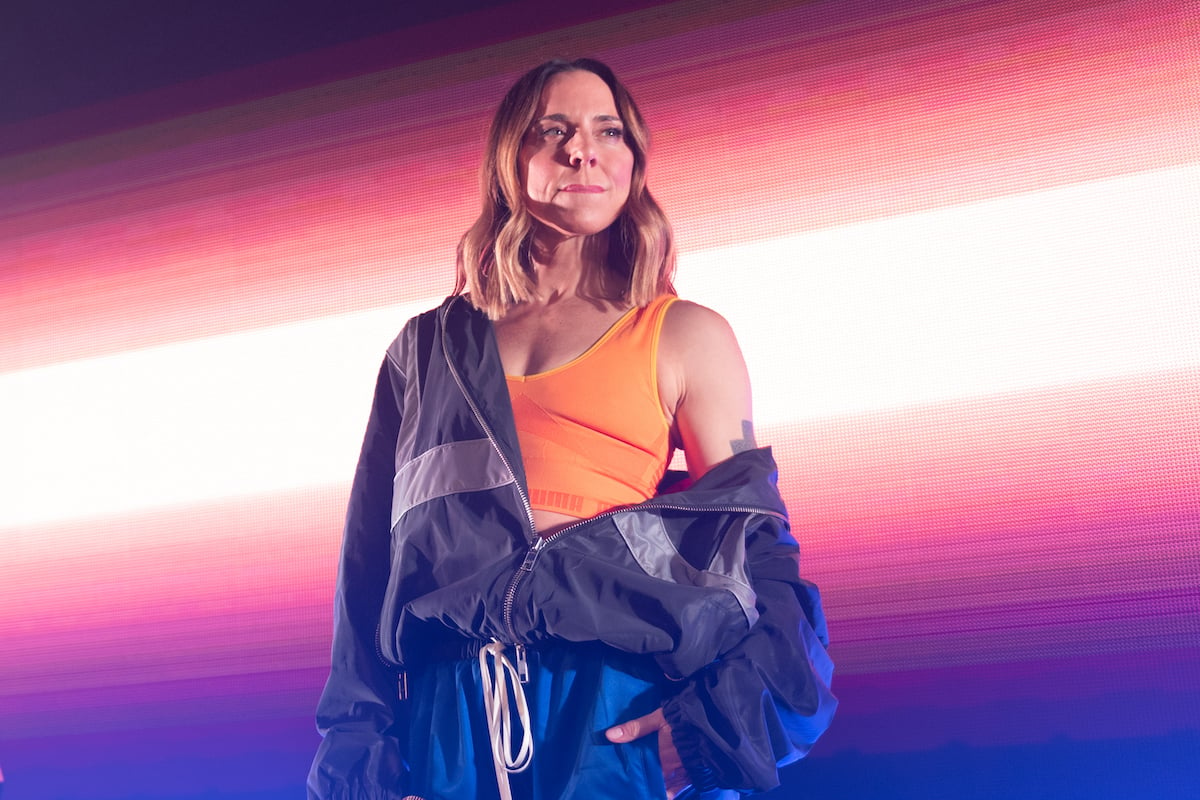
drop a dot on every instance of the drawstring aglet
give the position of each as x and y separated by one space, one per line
522 664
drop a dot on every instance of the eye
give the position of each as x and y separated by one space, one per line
552 131
613 133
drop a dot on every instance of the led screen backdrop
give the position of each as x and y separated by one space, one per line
958 241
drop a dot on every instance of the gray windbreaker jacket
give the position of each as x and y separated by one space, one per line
439 548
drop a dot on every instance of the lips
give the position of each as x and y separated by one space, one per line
582 188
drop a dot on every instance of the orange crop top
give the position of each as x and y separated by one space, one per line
593 434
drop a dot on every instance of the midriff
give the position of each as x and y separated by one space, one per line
549 523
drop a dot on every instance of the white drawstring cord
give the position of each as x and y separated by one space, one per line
495 704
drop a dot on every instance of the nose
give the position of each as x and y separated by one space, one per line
581 150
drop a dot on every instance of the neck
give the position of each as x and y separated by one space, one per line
572 266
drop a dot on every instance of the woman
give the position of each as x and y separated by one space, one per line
510 578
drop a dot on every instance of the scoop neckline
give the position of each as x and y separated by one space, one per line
604 337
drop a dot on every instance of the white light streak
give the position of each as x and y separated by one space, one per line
229 416
1056 287
1079 283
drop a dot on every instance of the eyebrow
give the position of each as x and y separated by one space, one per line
564 118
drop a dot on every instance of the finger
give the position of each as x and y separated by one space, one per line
637 728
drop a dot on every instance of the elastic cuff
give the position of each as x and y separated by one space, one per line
689 743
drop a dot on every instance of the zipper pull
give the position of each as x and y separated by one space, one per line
532 556
522 664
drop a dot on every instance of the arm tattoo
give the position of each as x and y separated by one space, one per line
747 440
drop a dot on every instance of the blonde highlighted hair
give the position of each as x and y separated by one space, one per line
493 255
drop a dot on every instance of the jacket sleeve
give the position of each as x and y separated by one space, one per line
765 702
360 717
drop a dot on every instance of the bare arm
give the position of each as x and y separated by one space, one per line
705 391
704 386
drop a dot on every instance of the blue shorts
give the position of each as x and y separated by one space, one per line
575 693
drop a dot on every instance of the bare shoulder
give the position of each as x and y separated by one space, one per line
685 318
705 382
691 330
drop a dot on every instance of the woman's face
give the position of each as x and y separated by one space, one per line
575 164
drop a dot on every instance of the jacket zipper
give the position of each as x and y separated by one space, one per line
535 550
522 664
401 673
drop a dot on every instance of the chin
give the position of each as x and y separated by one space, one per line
576 227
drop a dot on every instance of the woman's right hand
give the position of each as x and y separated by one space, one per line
674 775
